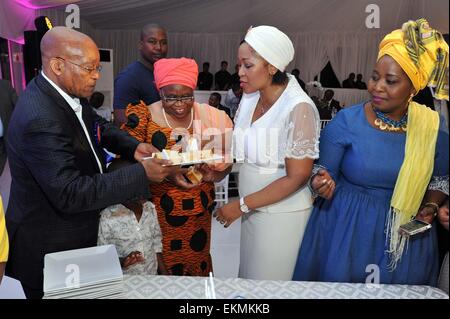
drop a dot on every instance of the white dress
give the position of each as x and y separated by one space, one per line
271 235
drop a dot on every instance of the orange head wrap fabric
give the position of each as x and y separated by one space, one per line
176 71
422 53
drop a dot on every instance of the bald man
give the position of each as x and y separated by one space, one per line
136 81
57 162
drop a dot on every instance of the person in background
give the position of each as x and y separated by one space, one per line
233 98
382 155
328 105
133 228
8 99
296 74
4 244
349 83
184 214
58 167
136 81
205 78
276 137
222 78
214 100
359 82
235 76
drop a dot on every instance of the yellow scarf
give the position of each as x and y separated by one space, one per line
423 55
414 175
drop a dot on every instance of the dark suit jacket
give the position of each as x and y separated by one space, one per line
57 191
8 98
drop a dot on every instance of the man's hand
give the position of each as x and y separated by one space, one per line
228 213
323 184
156 172
133 258
144 150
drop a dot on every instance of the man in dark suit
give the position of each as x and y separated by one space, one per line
350 82
328 106
55 150
8 98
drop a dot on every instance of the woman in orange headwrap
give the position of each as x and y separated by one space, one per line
382 155
184 214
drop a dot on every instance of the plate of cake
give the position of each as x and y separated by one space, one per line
188 158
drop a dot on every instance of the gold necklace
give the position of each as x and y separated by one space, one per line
167 122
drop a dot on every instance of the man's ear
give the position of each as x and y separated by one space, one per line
57 66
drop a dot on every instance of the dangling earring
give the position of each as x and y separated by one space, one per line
410 98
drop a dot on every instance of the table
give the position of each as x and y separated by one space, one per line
174 287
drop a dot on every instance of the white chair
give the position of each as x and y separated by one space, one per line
221 189
323 123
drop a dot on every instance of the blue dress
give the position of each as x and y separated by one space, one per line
345 238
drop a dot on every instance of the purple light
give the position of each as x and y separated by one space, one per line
28 4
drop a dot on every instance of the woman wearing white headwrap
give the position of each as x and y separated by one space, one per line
276 136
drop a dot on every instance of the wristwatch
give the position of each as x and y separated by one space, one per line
244 208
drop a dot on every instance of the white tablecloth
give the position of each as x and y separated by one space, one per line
203 96
346 97
173 287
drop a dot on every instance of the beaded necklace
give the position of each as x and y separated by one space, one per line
386 124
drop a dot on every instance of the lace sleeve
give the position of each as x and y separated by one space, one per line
439 183
303 132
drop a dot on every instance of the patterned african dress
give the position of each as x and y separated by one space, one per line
184 215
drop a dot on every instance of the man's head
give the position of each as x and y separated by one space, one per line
223 65
214 99
328 95
351 76
359 77
153 43
71 59
206 67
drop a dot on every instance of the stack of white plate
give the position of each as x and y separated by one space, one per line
86 273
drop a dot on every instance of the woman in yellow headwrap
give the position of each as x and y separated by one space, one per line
382 155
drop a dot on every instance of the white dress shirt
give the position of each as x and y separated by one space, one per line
78 109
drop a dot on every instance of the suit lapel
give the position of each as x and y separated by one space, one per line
48 89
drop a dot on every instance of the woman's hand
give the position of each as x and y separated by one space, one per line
323 184
207 172
228 213
426 214
443 215
132 258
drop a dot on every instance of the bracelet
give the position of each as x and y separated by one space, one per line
433 205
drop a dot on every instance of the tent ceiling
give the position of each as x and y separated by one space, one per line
205 16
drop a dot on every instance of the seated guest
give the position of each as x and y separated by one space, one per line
349 83
214 100
235 75
296 74
233 98
359 82
205 78
331 104
4 245
133 228
184 215
222 78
